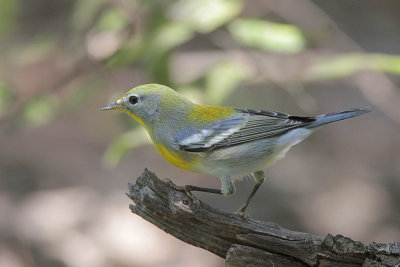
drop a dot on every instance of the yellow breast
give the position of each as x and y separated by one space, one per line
187 162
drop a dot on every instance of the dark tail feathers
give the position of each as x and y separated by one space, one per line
338 116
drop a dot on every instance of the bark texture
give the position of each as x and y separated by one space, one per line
247 242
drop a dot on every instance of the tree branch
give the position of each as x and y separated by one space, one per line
244 242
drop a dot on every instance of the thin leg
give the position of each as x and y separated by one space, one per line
188 188
202 189
227 187
259 177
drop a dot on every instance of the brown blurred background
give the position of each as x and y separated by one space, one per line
64 165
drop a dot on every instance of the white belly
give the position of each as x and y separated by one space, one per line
250 157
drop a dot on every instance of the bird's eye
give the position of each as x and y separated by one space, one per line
133 99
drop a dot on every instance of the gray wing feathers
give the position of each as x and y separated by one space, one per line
205 139
247 126
250 125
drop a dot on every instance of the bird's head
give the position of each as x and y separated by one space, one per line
146 103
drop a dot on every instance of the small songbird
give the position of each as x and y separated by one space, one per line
221 141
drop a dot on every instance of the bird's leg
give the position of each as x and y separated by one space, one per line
259 177
189 188
227 188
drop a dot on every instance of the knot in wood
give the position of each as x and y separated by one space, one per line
181 202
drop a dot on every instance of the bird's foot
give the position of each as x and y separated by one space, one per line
241 212
174 186
186 190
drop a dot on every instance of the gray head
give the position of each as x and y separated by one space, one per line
144 102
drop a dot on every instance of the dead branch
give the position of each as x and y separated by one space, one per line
247 242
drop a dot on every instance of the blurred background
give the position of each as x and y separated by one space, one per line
64 165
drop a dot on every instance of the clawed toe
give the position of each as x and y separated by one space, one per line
176 187
190 194
242 214
185 189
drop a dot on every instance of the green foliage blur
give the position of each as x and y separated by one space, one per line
91 38
65 165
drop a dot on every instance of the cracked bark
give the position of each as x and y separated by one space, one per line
247 242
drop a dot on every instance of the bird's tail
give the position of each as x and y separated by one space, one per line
337 116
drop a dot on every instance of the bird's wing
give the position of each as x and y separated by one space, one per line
245 126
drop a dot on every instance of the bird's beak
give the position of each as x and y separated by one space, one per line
113 106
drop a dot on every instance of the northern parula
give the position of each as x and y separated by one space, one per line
222 141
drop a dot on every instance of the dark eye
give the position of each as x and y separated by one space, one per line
133 99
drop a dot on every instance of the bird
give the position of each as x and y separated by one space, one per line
230 143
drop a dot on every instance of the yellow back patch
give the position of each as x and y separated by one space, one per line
210 113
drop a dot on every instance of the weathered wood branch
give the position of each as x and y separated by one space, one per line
247 242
